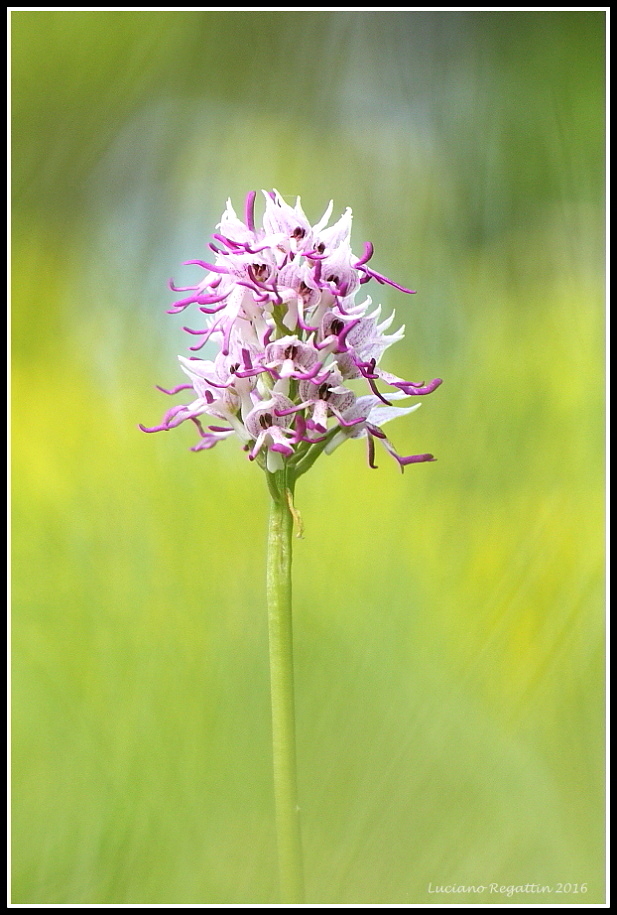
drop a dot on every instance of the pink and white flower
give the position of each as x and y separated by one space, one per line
280 304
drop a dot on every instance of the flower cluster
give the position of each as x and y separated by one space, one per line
298 348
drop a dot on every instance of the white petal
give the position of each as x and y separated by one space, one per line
383 414
323 222
338 233
197 368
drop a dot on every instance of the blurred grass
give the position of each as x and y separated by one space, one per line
449 623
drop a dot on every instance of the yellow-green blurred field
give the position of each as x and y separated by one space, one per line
448 622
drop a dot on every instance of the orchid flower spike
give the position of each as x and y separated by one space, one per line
280 306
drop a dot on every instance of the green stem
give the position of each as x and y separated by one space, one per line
282 689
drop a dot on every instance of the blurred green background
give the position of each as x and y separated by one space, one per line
448 622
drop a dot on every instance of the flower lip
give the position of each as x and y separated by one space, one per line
414 390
